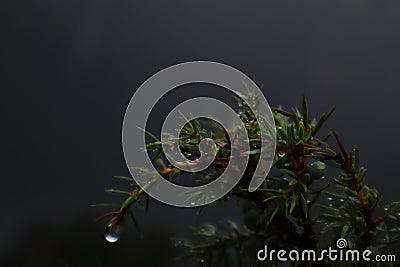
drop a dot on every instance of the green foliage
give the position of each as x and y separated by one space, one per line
287 211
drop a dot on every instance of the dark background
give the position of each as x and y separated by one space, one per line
69 68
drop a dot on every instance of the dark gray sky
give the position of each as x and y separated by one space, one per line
69 69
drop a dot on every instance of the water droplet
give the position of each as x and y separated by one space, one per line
323 177
189 154
178 243
281 154
202 261
398 214
330 198
341 200
193 203
330 205
386 208
113 233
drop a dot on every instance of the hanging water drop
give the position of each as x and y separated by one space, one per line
178 243
341 200
281 154
113 233
330 198
330 205
386 208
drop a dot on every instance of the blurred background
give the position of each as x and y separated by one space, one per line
69 69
